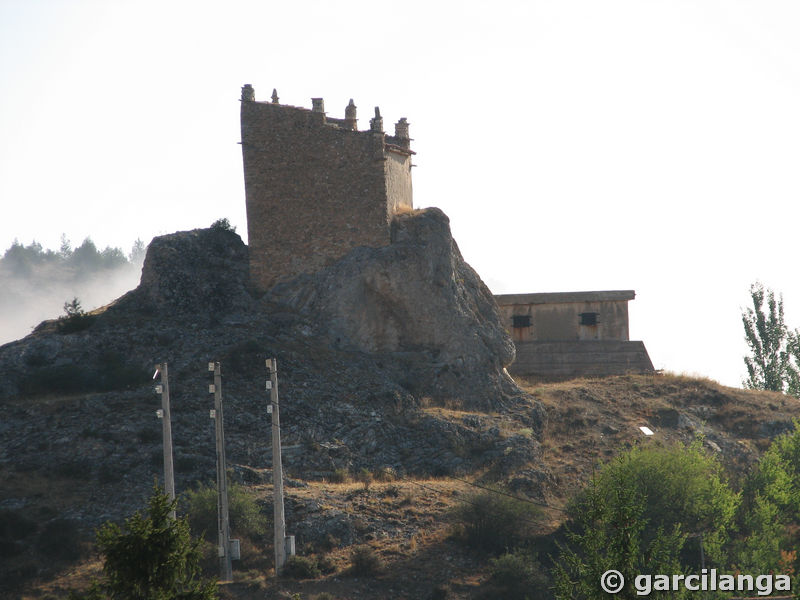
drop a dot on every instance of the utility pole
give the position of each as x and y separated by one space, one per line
223 521
281 541
163 414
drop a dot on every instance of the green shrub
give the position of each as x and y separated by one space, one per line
72 468
440 592
59 540
246 518
9 548
301 567
110 372
15 526
365 561
326 565
75 318
518 574
149 435
223 224
340 476
108 473
65 379
492 521
364 477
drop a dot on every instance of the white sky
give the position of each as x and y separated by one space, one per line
576 145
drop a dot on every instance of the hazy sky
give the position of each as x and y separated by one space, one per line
575 145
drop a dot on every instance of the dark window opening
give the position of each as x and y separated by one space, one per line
521 321
588 318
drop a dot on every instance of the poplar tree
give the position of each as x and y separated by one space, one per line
769 366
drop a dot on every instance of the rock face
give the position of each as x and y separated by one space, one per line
200 273
416 297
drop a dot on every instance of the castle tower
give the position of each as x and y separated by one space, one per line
315 186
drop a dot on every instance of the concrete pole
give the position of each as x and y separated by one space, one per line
277 470
169 475
223 521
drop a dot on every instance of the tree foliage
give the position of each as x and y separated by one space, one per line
151 557
770 512
81 262
637 517
769 366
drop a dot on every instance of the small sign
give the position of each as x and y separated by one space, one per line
220 551
211 388
210 366
159 389
160 413
269 409
646 430
269 384
212 413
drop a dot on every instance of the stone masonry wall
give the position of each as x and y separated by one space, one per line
314 190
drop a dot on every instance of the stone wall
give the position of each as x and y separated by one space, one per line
316 187
589 358
557 316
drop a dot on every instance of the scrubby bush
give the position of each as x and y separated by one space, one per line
492 521
59 540
364 560
74 318
15 525
223 225
519 575
301 567
339 476
246 518
109 372
364 477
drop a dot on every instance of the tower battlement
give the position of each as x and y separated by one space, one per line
316 187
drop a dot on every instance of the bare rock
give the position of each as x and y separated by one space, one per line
199 272
415 298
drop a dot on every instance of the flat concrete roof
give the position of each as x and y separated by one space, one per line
564 297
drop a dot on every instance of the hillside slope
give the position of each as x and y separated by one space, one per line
406 520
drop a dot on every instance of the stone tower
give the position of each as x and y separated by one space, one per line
316 187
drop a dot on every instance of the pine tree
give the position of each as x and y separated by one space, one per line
151 557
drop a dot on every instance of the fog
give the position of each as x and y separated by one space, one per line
35 283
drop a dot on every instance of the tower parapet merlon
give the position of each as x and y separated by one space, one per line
400 141
376 123
350 120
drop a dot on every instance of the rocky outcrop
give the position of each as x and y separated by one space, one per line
199 273
417 298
